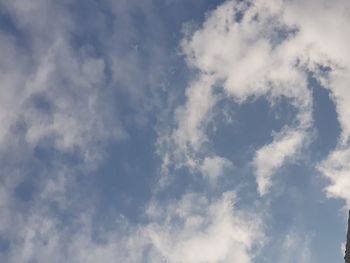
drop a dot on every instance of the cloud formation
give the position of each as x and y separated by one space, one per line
250 49
198 230
243 49
271 157
69 91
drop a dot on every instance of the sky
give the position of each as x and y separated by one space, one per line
174 131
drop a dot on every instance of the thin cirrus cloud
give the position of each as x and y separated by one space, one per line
73 93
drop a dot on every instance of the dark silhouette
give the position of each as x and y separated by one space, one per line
347 251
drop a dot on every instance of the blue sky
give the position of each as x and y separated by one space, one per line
180 131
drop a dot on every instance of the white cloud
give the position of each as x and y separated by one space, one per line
195 114
337 168
214 167
245 59
59 94
56 90
268 48
242 59
271 157
193 229
72 85
323 37
197 230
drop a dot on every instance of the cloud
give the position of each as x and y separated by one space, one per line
59 109
271 157
295 248
42 239
323 37
249 49
243 51
55 90
193 229
58 115
336 168
196 230
191 123
214 167
61 96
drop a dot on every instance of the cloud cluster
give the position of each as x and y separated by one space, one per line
243 50
55 117
55 91
249 49
59 110
193 229
58 113
58 99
